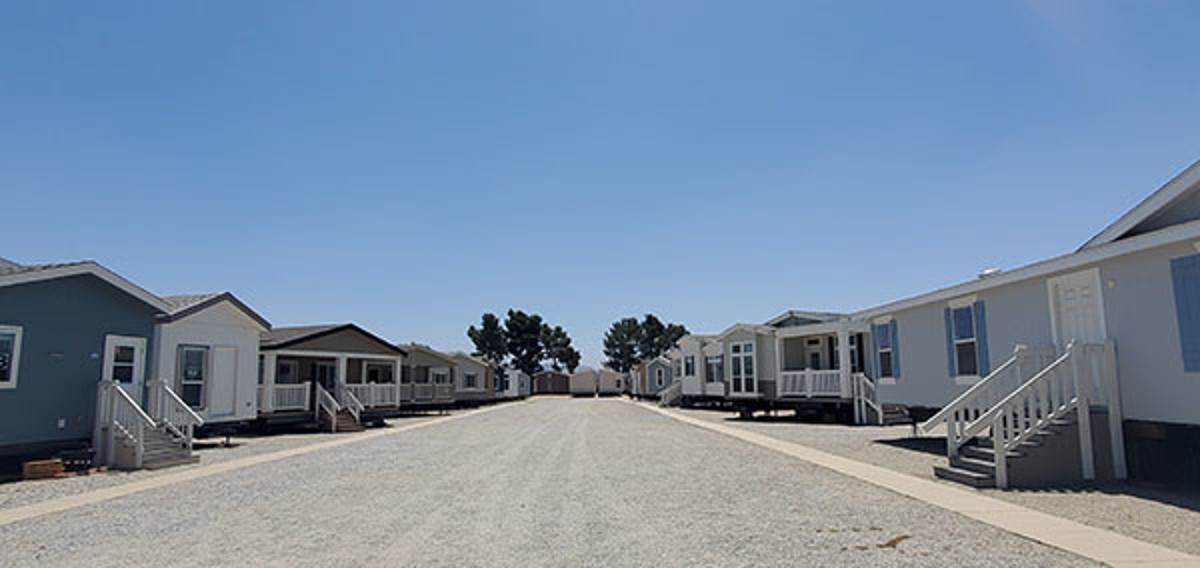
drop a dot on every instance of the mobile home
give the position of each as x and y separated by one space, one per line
512 384
609 382
584 382
427 382
474 380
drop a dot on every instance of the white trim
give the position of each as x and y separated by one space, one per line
751 327
966 380
882 320
328 354
15 364
885 381
824 328
1183 232
138 380
93 269
1180 184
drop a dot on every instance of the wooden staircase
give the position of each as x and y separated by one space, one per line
343 421
162 448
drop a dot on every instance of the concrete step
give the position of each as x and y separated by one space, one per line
964 476
986 453
977 465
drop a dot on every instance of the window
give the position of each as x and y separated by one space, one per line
715 369
379 373
470 380
962 321
441 377
742 367
689 366
883 349
123 364
193 374
405 375
658 377
10 355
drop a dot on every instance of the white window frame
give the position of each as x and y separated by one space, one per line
206 369
967 303
885 321
658 377
15 365
738 352
378 363
470 380
689 365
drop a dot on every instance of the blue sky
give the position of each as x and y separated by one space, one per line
410 165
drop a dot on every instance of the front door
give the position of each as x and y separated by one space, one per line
1077 308
325 373
125 363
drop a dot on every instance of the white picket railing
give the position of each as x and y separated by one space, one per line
172 412
328 404
864 399
120 420
290 397
375 395
984 395
423 391
444 393
812 383
348 401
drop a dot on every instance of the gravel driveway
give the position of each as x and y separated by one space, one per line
551 482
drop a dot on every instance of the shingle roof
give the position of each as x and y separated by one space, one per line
12 273
186 304
8 267
283 335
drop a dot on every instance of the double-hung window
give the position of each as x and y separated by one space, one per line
689 366
470 380
884 352
379 373
193 374
10 355
658 377
962 320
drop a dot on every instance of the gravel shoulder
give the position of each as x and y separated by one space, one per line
1167 518
209 450
547 483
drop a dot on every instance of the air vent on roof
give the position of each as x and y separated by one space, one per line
989 272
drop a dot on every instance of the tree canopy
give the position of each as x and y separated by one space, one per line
525 341
629 342
489 339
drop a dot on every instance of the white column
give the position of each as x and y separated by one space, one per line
396 378
270 363
340 380
844 364
778 364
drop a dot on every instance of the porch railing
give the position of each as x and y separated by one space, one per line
329 405
811 383
120 420
866 404
374 395
290 397
444 392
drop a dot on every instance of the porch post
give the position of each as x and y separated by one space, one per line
270 363
778 364
843 338
396 378
341 379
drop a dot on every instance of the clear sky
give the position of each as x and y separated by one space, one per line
410 165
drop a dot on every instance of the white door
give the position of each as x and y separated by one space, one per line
125 363
224 382
1077 308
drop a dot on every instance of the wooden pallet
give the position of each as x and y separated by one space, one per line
42 469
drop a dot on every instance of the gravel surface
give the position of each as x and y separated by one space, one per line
1167 518
551 482
209 451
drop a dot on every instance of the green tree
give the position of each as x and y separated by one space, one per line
523 335
558 350
650 339
621 344
490 342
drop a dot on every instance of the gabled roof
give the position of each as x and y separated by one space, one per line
281 337
819 317
12 274
468 357
188 304
428 351
1182 184
752 327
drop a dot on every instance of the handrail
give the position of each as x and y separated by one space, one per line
864 392
670 393
352 404
962 400
121 414
985 420
326 402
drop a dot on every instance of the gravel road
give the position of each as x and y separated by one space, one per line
551 482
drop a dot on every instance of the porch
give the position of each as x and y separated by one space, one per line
826 363
294 381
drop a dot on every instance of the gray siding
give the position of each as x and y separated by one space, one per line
65 321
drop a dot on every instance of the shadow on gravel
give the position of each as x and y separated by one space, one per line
1182 498
929 445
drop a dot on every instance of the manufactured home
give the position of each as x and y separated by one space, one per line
551 382
474 380
649 377
701 370
512 384
75 368
584 382
1007 361
207 351
428 379
337 376
609 382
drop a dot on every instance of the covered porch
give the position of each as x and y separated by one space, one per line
294 380
826 362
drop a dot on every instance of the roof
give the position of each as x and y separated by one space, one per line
184 305
754 327
805 314
12 274
428 351
469 357
1187 180
281 337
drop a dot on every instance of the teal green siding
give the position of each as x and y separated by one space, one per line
64 322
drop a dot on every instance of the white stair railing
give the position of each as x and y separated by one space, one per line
865 400
984 395
328 404
349 401
670 394
170 411
120 419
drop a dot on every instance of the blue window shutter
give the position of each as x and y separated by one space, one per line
892 329
875 329
950 343
1185 275
981 346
